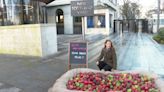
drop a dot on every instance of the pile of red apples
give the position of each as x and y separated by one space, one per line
122 82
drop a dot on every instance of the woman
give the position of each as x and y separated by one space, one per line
108 55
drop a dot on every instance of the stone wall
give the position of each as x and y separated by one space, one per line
25 40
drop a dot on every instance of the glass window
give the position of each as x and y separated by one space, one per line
97 21
101 19
162 22
154 21
110 20
90 23
15 12
77 19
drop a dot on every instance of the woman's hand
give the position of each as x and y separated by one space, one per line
97 62
112 70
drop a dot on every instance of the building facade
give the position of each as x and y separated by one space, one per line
18 12
153 19
161 22
30 27
24 29
105 11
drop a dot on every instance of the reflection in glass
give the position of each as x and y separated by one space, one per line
16 12
97 21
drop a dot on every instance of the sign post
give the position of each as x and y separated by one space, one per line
83 27
82 8
78 52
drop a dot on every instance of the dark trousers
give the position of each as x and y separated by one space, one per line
105 66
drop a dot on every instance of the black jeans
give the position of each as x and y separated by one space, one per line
105 66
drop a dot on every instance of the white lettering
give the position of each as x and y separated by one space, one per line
77 57
81 3
74 53
82 53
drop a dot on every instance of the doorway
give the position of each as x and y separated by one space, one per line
60 21
77 25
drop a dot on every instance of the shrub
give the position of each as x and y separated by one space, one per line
159 37
162 42
156 38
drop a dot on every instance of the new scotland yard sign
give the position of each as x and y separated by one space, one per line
82 8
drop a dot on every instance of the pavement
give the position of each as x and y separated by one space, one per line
35 74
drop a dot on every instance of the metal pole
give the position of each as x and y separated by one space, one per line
158 16
83 27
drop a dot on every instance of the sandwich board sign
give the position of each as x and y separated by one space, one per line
78 54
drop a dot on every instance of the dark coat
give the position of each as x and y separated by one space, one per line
103 65
109 57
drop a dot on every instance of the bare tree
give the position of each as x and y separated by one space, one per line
130 10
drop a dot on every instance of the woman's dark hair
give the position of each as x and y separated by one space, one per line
108 41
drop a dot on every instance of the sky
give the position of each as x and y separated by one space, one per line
145 4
